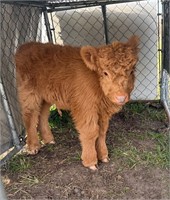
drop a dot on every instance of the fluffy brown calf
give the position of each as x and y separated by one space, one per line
92 82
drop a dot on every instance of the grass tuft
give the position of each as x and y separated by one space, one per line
19 163
29 180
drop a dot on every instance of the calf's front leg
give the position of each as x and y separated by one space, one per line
89 154
89 131
102 152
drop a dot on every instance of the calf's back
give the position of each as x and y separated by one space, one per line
57 74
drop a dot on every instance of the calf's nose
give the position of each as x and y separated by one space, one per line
121 99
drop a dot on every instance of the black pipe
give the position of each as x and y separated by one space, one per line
105 24
166 35
47 24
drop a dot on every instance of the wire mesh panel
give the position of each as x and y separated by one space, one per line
140 19
78 27
6 137
18 25
86 26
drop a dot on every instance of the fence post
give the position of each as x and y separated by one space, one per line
165 79
2 191
105 23
166 35
47 24
10 119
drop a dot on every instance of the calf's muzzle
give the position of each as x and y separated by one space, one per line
122 99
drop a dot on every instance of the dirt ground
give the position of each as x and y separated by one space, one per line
138 167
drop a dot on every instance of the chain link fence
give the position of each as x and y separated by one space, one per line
76 23
18 25
87 26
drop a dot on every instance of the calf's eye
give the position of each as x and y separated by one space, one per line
105 73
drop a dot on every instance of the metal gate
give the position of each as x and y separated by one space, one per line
18 25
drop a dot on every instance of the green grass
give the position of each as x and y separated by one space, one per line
61 122
135 108
145 111
29 180
19 163
130 154
154 146
75 157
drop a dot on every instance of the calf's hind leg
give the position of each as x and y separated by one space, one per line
43 126
30 104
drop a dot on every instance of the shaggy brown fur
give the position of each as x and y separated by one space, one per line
92 82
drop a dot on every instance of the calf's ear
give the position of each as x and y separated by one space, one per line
116 45
134 43
89 56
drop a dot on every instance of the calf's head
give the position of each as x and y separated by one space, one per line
115 66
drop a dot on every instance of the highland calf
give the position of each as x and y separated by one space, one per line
92 83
